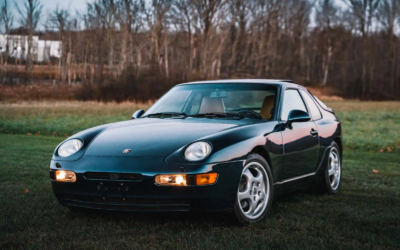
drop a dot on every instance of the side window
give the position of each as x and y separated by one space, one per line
291 101
315 113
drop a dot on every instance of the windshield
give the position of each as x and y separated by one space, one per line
247 100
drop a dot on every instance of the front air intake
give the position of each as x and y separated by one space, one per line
113 176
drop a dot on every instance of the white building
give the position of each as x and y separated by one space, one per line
42 50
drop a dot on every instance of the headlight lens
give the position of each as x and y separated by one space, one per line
197 151
69 147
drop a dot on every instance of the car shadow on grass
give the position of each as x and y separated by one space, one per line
217 219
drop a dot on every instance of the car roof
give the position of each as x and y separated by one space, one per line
275 82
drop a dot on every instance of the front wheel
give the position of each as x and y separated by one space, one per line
255 192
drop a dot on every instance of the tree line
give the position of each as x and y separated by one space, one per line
136 49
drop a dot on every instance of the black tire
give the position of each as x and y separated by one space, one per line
238 211
326 185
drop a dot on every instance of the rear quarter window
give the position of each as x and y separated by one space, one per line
315 112
321 103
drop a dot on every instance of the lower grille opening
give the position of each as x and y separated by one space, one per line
129 204
113 176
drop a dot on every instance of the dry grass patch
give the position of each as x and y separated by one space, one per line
366 106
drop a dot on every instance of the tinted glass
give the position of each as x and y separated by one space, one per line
174 103
291 101
209 98
195 106
315 113
245 99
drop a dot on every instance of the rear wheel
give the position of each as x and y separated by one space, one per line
255 192
333 172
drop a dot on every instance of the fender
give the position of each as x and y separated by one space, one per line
231 145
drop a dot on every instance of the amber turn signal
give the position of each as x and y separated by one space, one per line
65 176
206 179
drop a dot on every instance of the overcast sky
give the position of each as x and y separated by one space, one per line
51 4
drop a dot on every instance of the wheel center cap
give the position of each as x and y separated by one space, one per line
255 190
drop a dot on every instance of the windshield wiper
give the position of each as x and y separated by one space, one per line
163 115
168 114
218 115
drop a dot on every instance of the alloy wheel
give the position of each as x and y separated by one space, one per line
254 190
334 170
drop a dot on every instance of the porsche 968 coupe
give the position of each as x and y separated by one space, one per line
205 146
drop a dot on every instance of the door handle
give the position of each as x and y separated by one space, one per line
314 132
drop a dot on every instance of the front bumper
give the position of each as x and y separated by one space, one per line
142 194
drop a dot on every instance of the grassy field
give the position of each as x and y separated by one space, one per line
61 118
367 125
365 215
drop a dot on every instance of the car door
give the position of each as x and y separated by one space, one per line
300 140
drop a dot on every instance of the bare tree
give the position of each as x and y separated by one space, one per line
156 17
182 12
106 11
6 20
29 18
58 20
143 46
364 11
94 25
130 21
297 20
389 17
265 15
326 14
204 20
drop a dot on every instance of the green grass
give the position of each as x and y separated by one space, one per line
365 215
61 118
369 126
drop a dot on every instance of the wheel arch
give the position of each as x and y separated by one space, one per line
338 140
264 154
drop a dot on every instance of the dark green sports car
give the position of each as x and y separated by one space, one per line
213 145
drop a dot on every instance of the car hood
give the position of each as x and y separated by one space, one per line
152 137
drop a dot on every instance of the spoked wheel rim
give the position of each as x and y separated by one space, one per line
334 170
253 193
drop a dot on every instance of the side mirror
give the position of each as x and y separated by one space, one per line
138 114
298 116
